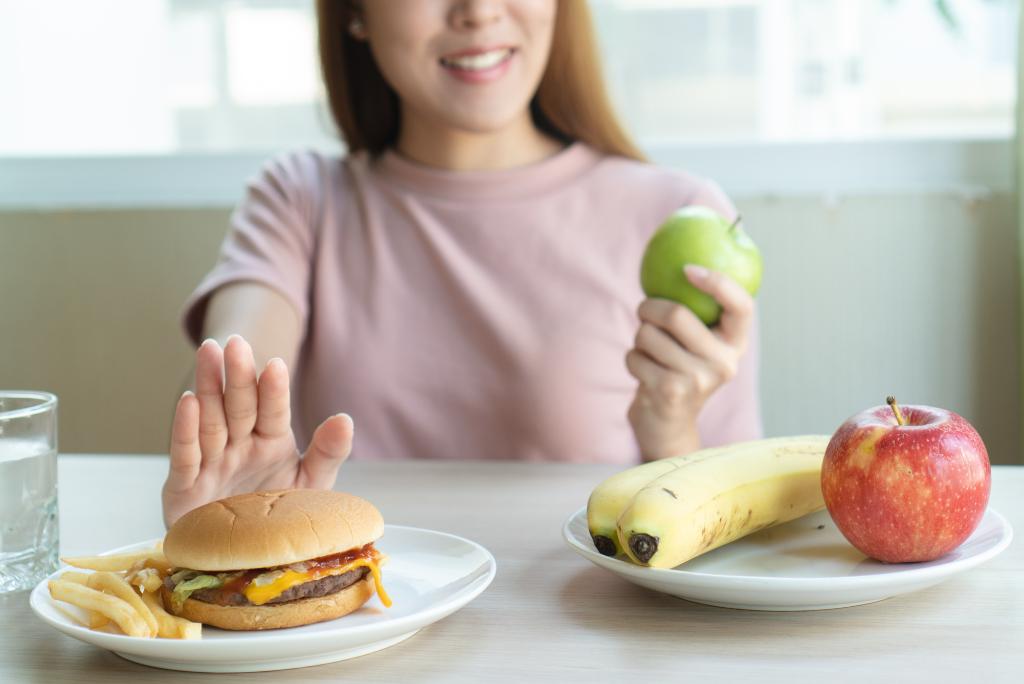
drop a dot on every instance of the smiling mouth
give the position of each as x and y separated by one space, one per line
480 61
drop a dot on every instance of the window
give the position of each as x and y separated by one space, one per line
180 76
794 70
176 102
168 77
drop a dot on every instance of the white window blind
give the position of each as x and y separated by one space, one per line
193 76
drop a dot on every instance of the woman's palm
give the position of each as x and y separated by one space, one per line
234 434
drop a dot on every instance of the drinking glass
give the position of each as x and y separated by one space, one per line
28 488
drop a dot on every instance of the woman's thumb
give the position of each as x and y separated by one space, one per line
330 446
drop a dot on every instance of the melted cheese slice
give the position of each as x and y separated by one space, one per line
258 595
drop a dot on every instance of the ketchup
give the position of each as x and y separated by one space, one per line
237 584
337 559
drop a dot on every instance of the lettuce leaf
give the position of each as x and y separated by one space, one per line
184 589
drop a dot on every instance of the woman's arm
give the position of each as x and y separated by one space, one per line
234 434
256 312
260 314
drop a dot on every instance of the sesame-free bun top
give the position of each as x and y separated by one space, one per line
264 529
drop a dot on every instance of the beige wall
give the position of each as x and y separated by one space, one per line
910 295
89 311
914 296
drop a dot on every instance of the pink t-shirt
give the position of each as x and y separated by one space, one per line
467 315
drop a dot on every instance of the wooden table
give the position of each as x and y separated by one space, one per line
550 615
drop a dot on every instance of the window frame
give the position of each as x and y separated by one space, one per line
971 167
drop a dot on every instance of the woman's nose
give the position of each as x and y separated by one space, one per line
475 14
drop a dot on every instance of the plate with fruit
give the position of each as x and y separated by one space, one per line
894 502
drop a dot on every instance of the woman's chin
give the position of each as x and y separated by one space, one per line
483 118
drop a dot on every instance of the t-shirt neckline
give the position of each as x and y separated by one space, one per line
546 175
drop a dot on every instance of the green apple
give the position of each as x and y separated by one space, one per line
698 235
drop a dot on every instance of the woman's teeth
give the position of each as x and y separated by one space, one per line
478 62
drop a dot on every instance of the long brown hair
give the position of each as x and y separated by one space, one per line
570 104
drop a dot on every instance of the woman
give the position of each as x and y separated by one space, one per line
464 282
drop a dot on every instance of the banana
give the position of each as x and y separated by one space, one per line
611 497
699 506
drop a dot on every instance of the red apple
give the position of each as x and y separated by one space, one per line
906 484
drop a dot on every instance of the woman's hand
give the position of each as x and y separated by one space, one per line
680 362
234 434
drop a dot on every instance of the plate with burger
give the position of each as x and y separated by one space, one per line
279 579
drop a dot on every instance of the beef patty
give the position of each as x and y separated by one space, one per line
314 589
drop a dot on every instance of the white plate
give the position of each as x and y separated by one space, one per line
429 576
805 564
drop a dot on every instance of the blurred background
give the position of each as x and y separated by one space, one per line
870 144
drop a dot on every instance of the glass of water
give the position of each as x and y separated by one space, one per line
28 488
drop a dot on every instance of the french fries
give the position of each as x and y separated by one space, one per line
172 626
123 589
116 585
121 561
146 579
97 620
93 619
76 577
112 607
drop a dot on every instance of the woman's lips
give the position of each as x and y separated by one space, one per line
479 66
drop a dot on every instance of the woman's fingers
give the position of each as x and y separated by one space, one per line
213 430
186 456
673 336
737 304
330 446
274 414
662 347
676 356
668 389
641 367
680 326
239 388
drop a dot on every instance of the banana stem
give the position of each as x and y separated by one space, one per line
643 546
891 400
605 545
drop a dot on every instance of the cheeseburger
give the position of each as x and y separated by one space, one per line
274 559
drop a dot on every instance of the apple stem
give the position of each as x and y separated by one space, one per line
891 401
735 223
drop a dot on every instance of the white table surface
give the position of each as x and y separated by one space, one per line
550 615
